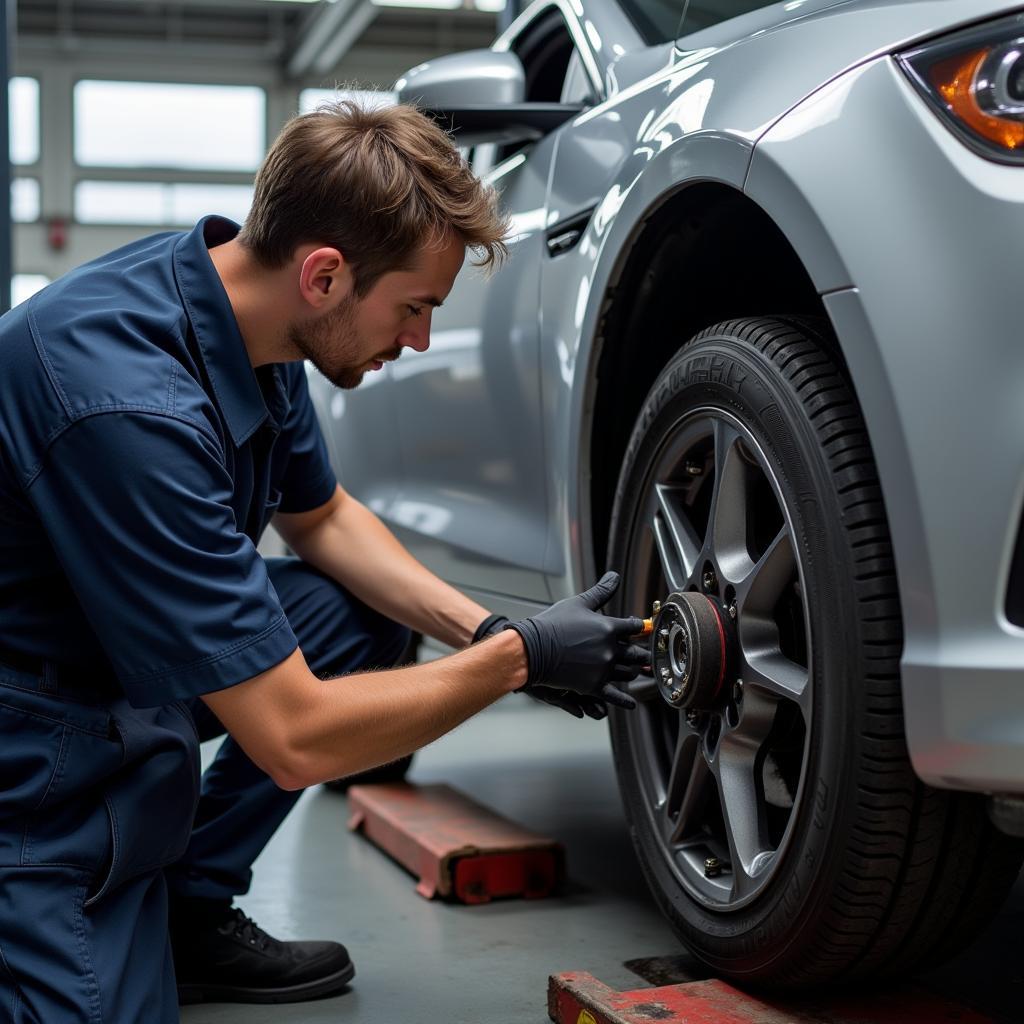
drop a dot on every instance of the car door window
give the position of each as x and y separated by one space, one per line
577 87
555 73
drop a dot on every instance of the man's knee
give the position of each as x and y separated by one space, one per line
378 643
336 631
394 644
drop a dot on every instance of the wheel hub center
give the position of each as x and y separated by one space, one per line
689 651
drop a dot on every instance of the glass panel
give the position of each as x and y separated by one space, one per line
23 286
659 20
442 5
24 120
150 124
655 20
171 203
705 13
24 200
310 99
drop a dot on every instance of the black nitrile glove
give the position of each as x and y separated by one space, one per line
576 704
491 626
570 646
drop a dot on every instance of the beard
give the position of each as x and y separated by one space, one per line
331 344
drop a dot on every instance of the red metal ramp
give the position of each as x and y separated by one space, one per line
579 998
458 849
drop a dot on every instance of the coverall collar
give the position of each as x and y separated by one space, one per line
209 311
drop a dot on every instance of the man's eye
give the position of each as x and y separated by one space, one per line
414 310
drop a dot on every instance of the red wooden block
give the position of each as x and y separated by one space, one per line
579 998
457 848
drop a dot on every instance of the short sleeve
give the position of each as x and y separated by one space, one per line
308 479
136 506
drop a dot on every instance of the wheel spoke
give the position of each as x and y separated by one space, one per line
687 784
678 545
736 769
770 575
728 521
771 672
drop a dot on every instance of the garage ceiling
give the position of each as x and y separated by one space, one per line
301 37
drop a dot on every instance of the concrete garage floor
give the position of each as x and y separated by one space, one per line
420 962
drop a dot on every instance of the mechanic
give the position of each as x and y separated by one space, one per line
154 415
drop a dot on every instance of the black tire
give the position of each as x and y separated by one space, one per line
871 872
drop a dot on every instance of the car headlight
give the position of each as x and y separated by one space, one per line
975 79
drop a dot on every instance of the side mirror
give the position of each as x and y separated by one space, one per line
481 77
478 96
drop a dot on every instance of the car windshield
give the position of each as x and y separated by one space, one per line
658 21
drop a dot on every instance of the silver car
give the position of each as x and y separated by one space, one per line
758 347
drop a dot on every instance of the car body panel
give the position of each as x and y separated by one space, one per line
936 357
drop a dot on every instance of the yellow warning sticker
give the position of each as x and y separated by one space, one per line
586 1017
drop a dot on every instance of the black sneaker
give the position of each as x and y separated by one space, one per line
236 961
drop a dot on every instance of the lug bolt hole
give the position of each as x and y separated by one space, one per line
713 734
709 580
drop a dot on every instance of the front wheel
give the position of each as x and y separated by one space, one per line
772 802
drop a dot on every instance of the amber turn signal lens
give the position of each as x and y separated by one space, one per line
957 80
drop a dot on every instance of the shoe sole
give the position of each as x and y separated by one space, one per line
318 989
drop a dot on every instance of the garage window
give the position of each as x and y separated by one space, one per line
24 286
155 202
24 200
24 120
310 99
166 125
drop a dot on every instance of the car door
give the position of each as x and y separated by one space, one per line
473 504
361 434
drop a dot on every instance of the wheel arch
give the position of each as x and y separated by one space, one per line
648 309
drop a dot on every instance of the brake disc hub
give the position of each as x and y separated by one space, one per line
690 646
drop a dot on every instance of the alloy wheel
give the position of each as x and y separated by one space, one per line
722 781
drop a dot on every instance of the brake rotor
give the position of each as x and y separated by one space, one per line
689 651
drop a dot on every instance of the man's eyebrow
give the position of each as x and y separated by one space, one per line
430 300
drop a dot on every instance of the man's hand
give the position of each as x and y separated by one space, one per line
571 646
577 704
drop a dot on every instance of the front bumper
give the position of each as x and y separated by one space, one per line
916 244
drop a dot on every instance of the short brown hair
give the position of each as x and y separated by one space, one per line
377 184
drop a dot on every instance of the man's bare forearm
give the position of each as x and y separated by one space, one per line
353 546
302 730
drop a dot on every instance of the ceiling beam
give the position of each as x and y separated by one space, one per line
350 32
319 30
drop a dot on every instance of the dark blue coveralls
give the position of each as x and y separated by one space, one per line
141 457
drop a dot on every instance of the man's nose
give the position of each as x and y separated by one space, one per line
417 338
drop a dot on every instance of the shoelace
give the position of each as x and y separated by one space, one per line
246 929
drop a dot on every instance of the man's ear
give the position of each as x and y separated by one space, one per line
325 278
